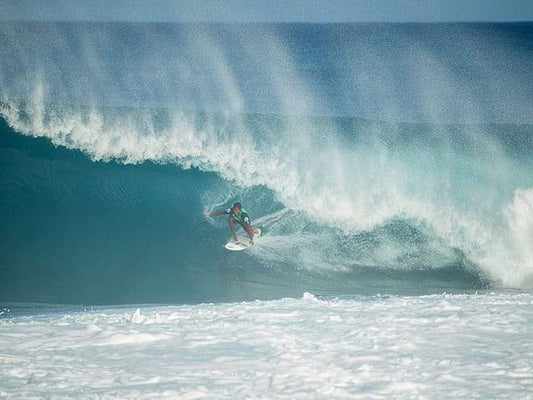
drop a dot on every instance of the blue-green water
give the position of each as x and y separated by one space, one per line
379 158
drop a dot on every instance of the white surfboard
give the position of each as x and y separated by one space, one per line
243 243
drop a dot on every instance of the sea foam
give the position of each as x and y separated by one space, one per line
439 346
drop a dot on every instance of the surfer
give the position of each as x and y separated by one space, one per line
239 215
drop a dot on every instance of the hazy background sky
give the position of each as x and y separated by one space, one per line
269 10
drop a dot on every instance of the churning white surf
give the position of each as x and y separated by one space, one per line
439 346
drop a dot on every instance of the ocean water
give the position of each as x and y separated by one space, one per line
390 165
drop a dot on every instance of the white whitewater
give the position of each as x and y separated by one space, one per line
439 346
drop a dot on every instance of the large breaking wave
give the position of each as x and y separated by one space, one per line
379 158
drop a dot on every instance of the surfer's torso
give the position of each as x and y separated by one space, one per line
241 218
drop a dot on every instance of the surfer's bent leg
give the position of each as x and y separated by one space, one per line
231 221
247 226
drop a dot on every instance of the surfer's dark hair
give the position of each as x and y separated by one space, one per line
237 205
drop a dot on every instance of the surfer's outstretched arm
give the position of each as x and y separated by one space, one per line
218 213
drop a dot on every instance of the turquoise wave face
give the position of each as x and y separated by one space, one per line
80 231
378 159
